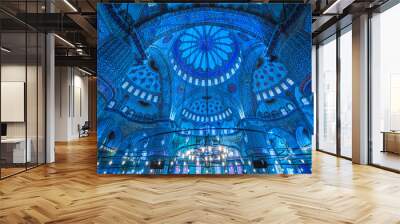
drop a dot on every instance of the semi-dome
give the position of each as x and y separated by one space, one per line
207 110
275 108
270 79
143 81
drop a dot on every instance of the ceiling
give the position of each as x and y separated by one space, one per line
75 21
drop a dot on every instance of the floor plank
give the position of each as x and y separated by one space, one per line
70 191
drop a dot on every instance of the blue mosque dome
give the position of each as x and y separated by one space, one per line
206 55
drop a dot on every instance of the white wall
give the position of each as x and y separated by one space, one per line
62 82
80 110
71 102
16 73
11 73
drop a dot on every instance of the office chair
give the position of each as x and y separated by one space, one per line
84 130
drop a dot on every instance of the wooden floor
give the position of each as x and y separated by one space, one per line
70 191
386 159
5 172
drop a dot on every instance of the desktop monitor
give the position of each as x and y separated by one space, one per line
3 129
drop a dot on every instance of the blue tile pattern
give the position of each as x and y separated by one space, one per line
204 89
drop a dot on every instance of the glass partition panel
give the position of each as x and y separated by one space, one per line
346 93
14 153
41 99
22 78
327 96
385 85
31 98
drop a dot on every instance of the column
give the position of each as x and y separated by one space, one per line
360 90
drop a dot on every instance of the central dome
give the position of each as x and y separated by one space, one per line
206 55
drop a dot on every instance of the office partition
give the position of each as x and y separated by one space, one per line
22 77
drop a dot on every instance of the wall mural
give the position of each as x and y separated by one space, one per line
204 88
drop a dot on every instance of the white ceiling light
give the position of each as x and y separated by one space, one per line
338 6
5 50
70 5
65 41
84 71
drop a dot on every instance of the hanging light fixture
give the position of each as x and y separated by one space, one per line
64 40
5 50
70 6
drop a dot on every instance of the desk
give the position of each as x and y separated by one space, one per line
16 147
391 141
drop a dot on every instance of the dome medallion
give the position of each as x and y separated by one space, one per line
206 55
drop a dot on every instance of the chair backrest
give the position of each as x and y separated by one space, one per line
86 125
